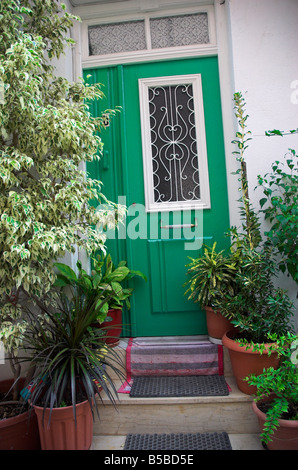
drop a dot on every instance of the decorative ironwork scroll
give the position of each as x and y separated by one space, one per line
174 143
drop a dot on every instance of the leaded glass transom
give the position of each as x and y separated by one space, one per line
173 144
117 37
182 30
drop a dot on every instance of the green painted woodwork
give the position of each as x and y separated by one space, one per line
158 307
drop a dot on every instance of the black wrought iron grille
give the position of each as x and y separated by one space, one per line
174 143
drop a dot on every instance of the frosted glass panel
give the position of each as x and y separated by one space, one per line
182 30
117 37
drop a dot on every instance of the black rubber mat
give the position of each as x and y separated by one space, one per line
197 441
182 386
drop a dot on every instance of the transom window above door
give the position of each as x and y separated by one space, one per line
174 143
149 33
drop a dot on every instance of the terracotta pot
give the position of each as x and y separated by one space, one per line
285 437
217 325
114 327
62 433
19 432
246 361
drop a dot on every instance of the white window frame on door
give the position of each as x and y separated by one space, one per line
204 201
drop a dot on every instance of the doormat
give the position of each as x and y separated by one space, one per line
181 386
196 441
168 356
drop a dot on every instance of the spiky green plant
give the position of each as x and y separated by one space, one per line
69 354
210 275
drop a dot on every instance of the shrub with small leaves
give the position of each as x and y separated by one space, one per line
280 383
280 206
46 134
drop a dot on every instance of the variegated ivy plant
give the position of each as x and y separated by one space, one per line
46 133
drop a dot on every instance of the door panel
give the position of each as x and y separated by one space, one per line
159 243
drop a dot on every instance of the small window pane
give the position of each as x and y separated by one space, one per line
117 37
182 30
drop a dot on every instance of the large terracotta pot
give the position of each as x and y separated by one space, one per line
62 433
19 432
285 436
217 325
114 326
246 361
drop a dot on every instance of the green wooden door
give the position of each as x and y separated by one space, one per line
166 223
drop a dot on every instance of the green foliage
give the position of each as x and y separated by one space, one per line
211 274
251 226
280 206
106 281
257 308
282 383
70 357
280 133
46 134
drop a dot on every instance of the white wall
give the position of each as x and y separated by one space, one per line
64 65
264 40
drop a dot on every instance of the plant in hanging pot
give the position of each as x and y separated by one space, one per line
72 367
258 309
276 404
109 283
212 274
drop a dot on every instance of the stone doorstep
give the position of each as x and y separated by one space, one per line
232 413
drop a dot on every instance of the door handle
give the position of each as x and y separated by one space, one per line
179 225
105 160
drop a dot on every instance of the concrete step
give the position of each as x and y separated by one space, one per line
232 413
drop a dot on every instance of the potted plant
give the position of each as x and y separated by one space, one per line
72 367
46 134
258 309
109 282
276 404
212 274
18 422
115 280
